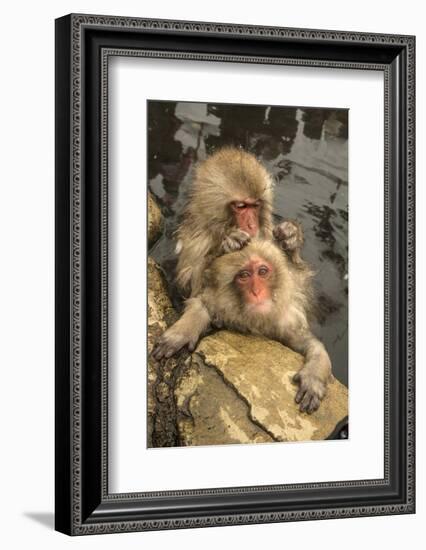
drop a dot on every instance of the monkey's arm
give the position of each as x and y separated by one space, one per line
289 236
315 373
186 331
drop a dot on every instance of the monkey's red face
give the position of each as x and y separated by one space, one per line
246 215
253 280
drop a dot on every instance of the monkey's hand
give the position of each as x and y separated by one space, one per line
289 235
312 389
235 240
172 341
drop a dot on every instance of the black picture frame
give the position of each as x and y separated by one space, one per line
83 45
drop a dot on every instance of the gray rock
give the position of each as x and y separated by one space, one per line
210 412
155 221
161 412
239 389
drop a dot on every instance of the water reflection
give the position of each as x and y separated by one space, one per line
305 149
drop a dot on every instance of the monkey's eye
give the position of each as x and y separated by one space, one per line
243 275
240 205
263 271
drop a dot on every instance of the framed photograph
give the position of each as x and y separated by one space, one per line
234 274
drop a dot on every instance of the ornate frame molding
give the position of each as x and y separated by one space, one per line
73 48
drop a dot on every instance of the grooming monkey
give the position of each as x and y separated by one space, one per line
257 290
230 202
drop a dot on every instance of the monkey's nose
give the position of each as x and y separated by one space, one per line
255 291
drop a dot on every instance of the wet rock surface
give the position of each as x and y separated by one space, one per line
257 373
155 221
162 430
210 411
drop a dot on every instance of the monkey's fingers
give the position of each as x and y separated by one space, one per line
289 234
308 399
170 343
192 345
162 352
313 405
236 240
158 351
310 403
284 231
299 395
164 348
304 398
306 402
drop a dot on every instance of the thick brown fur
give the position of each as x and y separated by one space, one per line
286 320
291 294
228 175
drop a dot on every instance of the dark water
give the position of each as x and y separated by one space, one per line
305 149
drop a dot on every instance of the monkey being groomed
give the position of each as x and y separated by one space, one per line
257 290
229 203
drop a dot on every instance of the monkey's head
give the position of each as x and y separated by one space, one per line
250 279
233 189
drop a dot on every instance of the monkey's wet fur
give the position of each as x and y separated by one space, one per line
242 273
230 201
257 290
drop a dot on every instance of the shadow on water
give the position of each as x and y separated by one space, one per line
306 151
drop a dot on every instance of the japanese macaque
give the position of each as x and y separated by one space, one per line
257 290
230 202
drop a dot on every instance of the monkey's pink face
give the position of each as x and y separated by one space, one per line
246 214
253 280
